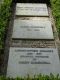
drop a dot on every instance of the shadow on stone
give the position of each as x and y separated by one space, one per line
32 1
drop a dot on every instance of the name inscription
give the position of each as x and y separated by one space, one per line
34 55
29 29
31 9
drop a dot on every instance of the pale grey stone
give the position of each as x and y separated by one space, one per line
32 29
32 61
31 9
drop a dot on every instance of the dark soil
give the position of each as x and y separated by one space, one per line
32 1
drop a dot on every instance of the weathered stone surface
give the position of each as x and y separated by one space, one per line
33 43
32 29
24 9
23 61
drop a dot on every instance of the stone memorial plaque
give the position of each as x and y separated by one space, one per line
23 61
32 29
25 9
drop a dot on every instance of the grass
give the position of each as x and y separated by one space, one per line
4 17
38 77
55 6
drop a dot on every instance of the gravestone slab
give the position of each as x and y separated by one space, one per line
32 29
23 61
25 9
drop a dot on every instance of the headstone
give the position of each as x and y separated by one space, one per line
32 29
25 9
32 61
